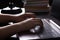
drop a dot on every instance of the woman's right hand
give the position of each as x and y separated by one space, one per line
31 23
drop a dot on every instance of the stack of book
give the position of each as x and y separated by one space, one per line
36 5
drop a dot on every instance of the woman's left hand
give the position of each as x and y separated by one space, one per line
24 16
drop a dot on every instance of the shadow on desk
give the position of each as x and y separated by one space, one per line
11 38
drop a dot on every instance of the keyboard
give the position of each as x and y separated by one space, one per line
51 31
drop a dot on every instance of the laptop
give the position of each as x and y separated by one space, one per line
51 31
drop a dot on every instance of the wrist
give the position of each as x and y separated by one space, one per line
12 18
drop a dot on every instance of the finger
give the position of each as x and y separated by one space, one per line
38 21
30 15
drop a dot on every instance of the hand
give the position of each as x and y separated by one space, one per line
30 15
32 22
24 16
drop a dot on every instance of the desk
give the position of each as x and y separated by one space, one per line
51 30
